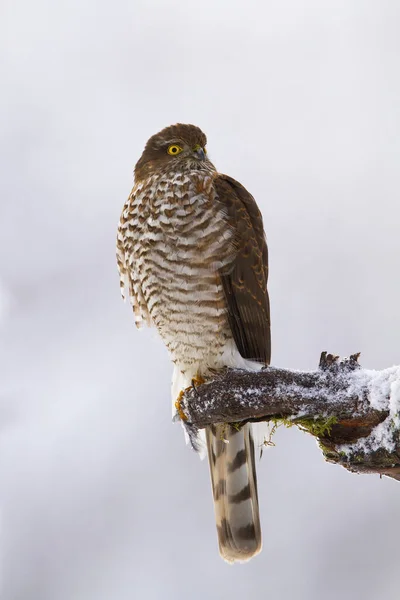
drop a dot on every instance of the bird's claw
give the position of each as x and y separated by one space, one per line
178 406
196 381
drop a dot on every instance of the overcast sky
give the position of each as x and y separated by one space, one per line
100 498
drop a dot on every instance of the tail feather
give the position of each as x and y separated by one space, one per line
234 485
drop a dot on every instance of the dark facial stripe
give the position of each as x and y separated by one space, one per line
238 461
244 494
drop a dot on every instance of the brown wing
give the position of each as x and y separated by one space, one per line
245 286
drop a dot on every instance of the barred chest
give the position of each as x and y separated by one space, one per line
181 238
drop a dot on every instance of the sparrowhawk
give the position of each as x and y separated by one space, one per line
193 259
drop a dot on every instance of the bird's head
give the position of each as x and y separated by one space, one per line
180 148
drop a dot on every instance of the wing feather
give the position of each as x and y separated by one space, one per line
245 286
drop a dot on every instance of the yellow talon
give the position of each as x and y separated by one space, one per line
178 406
197 380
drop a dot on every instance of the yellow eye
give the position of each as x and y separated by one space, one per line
174 149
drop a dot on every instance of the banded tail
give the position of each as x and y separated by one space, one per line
234 485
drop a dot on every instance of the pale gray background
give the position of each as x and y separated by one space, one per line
100 497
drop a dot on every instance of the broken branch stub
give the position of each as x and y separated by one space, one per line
353 412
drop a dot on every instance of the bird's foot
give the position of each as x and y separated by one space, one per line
178 406
196 381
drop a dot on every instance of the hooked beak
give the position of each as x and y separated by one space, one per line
199 153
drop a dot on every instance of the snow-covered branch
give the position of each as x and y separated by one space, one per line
353 412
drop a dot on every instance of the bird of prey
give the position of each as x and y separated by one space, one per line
193 259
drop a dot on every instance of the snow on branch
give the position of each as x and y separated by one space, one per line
353 412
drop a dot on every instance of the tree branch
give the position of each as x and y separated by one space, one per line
353 412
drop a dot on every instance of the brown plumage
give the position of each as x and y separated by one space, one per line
192 254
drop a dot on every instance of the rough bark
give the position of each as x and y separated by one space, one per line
352 412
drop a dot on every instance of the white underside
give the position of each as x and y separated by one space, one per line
184 374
